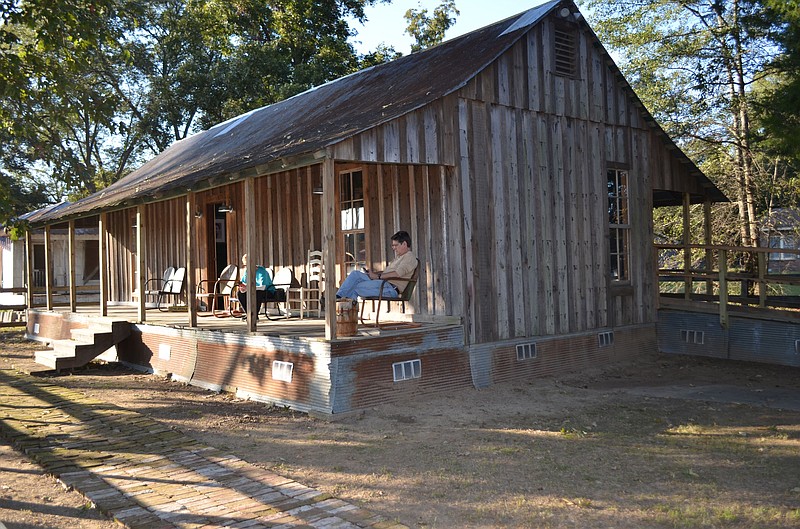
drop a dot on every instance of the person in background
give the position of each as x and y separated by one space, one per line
263 284
367 283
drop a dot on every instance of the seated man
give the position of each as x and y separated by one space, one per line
367 284
263 286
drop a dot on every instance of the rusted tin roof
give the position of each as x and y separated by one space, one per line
296 131
309 122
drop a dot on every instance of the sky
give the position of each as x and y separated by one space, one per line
385 23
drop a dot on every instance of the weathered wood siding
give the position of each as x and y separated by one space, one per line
534 148
121 244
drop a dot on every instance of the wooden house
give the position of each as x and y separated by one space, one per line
517 157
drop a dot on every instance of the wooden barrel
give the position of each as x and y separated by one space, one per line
346 317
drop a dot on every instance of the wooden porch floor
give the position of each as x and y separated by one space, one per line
313 328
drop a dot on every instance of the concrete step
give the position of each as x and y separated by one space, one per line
99 338
54 360
90 335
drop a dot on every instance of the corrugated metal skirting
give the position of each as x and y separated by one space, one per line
746 339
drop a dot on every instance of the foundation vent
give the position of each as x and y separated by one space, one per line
282 370
526 351
605 339
693 337
407 370
797 347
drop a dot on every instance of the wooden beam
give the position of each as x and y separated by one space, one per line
191 238
48 268
708 240
102 226
249 247
329 244
687 252
29 267
723 289
140 262
73 297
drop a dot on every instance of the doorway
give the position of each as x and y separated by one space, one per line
218 238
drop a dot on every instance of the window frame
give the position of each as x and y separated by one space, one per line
346 230
619 226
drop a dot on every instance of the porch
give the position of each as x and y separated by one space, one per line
286 362
726 302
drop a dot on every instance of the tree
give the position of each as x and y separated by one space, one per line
694 64
88 87
777 102
430 30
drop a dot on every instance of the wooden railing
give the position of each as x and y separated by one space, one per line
11 308
729 276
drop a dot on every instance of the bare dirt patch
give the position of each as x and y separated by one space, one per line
594 449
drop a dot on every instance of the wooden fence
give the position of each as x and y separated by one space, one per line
10 309
728 276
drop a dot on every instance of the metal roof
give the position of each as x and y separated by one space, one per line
297 130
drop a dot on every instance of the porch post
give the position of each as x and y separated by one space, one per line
687 252
249 246
723 288
48 269
709 241
191 236
140 262
73 297
29 266
329 244
103 262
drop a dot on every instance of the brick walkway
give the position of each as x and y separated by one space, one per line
146 475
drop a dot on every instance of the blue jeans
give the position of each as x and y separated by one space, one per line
357 283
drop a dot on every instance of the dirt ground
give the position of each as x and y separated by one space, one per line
663 441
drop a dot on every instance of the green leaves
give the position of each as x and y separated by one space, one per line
90 89
430 30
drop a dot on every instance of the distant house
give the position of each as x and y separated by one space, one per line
517 156
781 229
14 262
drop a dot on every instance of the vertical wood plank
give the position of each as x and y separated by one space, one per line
465 177
531 236
500 254
545 203
517 280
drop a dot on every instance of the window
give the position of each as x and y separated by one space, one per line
351 203
407 370
619 224
781 241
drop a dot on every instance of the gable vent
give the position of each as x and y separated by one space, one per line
566 51
526 351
